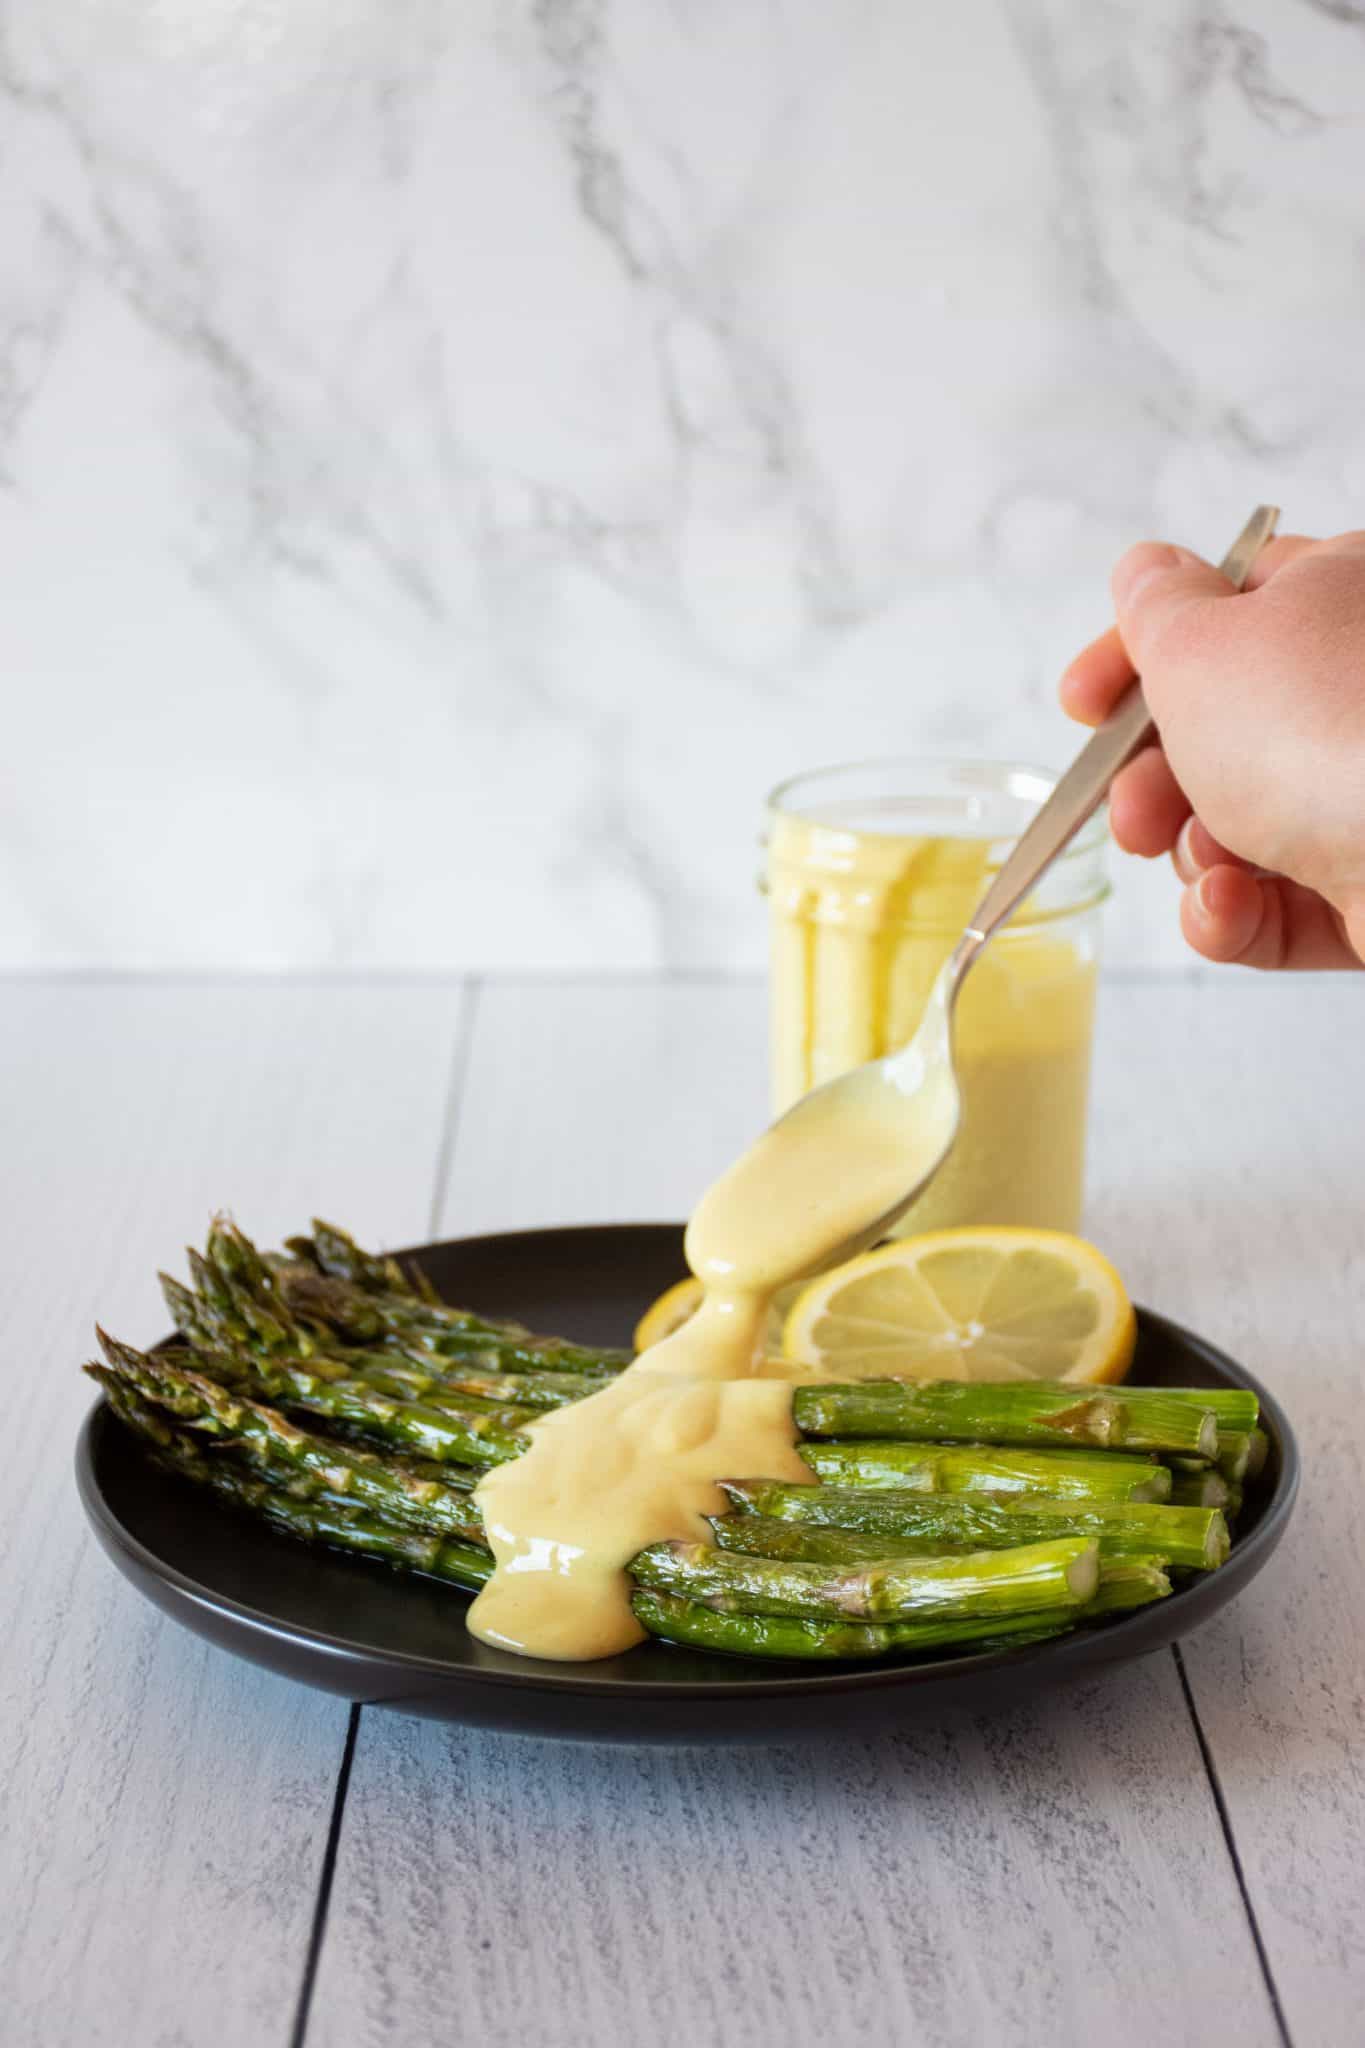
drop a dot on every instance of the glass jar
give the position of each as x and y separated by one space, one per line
873 870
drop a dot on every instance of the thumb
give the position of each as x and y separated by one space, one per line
1158 589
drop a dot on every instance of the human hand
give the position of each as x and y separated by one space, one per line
1257 785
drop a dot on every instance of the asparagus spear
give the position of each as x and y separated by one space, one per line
320 1387
1190 1537
331 1305
1063 1573
749 1635
336 1523
242 1329
1234 1454
753 1635
1205 1487
419 1308
337 1252
820 1543
281 1451
1257 1452
1236 1408
976 1468
1037 1414
522 1389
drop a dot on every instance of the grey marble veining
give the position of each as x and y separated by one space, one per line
427 431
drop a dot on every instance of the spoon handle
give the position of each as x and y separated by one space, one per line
1084 786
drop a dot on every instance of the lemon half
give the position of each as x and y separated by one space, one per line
672 1309
970 1304
677 1303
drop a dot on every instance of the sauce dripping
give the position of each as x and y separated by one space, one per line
638 1462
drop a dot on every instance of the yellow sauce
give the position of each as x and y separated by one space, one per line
638 1462
861 923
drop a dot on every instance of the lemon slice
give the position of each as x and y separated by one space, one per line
973 1304
668 1313
678 1302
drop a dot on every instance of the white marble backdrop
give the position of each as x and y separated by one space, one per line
457 453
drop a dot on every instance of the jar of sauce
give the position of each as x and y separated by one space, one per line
873 870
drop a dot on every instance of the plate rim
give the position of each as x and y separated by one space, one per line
574 1680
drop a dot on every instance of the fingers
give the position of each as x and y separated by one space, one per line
1157 588
1233 915
1151 584
1096 679
1147 806
1197 849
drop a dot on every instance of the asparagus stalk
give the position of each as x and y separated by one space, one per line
1194 1538
331 1306
419 1307
338 1524
977 1468
1234 1454
753 1635
818 1543
1062 1573
1235 1408
1205 1487
749 1635
1257 1453
521 1389
320 1387
245 1330
1040 1413
286 1454
337 1252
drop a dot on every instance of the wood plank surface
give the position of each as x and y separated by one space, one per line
1231 1126
1052 1873
164 1808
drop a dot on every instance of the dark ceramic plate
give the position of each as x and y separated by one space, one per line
362 1631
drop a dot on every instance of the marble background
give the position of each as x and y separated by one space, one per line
456 454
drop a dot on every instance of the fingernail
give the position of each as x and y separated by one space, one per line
1203 893
1184 848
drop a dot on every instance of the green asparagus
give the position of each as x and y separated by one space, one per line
754 1635
1202 1488
413 1319
282 1451
977 1468
1234 1454
1040 1413
750 1635
1196 1538
1235 1408
319 1388
1062 1573
337 1523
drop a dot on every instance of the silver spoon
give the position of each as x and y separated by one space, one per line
909 1103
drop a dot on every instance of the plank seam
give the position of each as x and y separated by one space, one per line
324 1898
1234 1855
450 1114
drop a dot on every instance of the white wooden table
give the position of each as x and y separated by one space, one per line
194 1852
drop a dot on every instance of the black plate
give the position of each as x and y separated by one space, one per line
365 1632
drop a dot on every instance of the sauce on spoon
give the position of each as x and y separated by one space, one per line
638 1462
